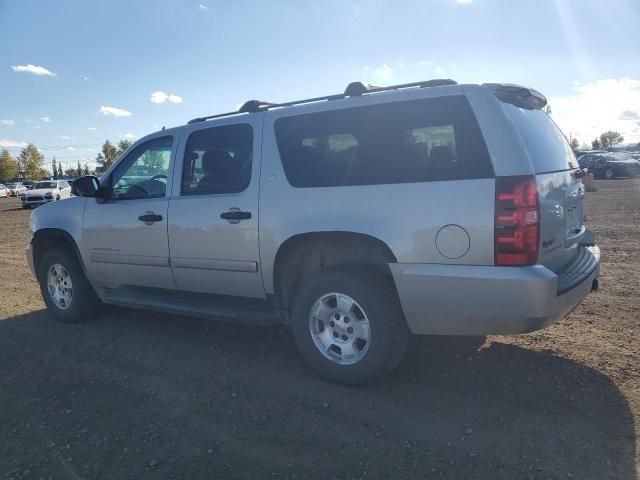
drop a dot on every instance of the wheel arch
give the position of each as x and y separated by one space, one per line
48 238
304 254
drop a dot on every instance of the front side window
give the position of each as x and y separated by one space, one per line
218 160
401 142
143 173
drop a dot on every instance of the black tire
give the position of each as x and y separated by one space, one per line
377 297
608 174
84 300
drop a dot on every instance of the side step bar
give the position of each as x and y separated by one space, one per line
247 311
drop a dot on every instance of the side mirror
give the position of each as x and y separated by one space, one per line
86 186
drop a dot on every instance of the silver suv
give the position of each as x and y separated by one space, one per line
429 208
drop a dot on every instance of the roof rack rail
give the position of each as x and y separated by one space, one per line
354 89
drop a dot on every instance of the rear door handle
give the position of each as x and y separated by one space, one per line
150 218
235 214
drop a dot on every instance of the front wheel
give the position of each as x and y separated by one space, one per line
65 290
348 324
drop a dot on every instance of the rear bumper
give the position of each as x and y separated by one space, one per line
487 300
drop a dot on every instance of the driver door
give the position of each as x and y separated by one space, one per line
125 238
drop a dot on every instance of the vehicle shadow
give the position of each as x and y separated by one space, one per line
150 395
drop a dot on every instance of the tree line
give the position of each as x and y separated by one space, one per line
30 162
605 140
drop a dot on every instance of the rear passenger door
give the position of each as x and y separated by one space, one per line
213 212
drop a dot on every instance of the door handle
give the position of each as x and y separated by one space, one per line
150 218
235 214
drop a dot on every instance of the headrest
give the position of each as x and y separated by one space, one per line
215 160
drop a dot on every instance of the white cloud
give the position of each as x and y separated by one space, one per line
37 127
8 143
608 104
65 137
440 71
203 7
45 119
34 69
114 112
383 72
424 63
158 97
161 97
71 149
91 128
462 2
84 77
8 123
130 136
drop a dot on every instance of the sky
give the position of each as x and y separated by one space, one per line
75 72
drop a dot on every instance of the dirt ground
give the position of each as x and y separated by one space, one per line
140 395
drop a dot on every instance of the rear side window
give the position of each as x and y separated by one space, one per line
401 142
548 148
218 160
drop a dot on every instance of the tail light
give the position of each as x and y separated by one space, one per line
517 224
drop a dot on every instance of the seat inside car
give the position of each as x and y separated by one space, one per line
222 173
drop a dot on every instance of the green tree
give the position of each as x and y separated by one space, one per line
122 146
54 169
108 155
71 172
574 144
8 165
595 143
31 162
60 174
79 169
610 138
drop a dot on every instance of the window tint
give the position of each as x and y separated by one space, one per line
45 185
416 141
218 160
548 148
143 173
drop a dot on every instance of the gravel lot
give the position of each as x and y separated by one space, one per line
145 395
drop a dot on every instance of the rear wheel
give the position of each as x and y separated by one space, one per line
348 324
608 174
64 287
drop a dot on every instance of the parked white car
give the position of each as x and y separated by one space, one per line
4 191
45 192
16 188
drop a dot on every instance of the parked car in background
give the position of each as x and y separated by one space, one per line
16 188
28 183
45 192
610 165
4 191
430 208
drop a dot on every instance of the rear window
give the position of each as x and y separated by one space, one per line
547 146
418 141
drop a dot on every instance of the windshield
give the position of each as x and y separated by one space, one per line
44 185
